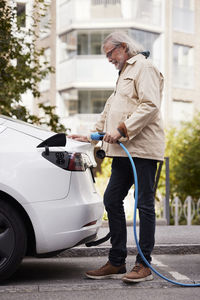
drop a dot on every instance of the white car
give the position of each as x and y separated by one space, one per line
48 201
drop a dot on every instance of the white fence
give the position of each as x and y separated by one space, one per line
187 209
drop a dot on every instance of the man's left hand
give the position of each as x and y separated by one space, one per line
112 137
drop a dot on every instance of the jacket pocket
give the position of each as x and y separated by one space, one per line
126 86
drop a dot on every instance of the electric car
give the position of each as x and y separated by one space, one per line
48 201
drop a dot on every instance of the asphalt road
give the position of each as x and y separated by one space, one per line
63 278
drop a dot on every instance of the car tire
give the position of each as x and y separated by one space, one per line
13 240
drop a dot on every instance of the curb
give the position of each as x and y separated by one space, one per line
132 250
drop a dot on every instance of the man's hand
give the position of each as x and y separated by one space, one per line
112 137
80 138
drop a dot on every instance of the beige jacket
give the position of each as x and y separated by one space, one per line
134 108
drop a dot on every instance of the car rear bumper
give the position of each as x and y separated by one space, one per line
62 224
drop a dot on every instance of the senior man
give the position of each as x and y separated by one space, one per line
131 115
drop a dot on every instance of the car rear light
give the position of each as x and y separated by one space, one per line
78 162
75 161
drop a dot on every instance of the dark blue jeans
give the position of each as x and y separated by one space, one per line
120 182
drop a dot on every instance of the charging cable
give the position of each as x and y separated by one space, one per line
99 136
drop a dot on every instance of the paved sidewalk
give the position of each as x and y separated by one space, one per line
169 240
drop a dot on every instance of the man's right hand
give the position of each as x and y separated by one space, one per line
80 138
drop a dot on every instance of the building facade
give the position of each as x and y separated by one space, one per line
84 79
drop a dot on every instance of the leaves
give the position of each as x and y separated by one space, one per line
183 149
20 69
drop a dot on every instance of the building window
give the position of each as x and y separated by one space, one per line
70 100
183 10
147 11
72 107
183 62
21 14
96 39
89 43
182 111
150 41
92 102
68 47
83 44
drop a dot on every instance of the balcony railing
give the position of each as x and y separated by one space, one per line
86 71
142 11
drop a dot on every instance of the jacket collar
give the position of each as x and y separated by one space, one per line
134 58
131 61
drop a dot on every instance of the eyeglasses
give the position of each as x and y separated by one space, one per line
109 53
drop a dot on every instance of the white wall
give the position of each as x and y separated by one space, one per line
82 10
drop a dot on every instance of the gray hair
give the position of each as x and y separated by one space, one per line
118 37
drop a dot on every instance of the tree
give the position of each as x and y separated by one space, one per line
20 68
183 149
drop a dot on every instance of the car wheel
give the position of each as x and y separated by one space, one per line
13 240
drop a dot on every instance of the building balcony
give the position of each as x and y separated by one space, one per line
86 72
77 13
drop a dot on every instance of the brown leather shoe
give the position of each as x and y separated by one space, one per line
139 273
107 271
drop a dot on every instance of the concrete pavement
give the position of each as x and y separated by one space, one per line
168 240
64 278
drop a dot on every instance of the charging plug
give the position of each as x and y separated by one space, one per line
97 136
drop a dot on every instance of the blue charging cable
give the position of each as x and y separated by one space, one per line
99 136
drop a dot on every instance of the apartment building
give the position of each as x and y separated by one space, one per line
84 79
